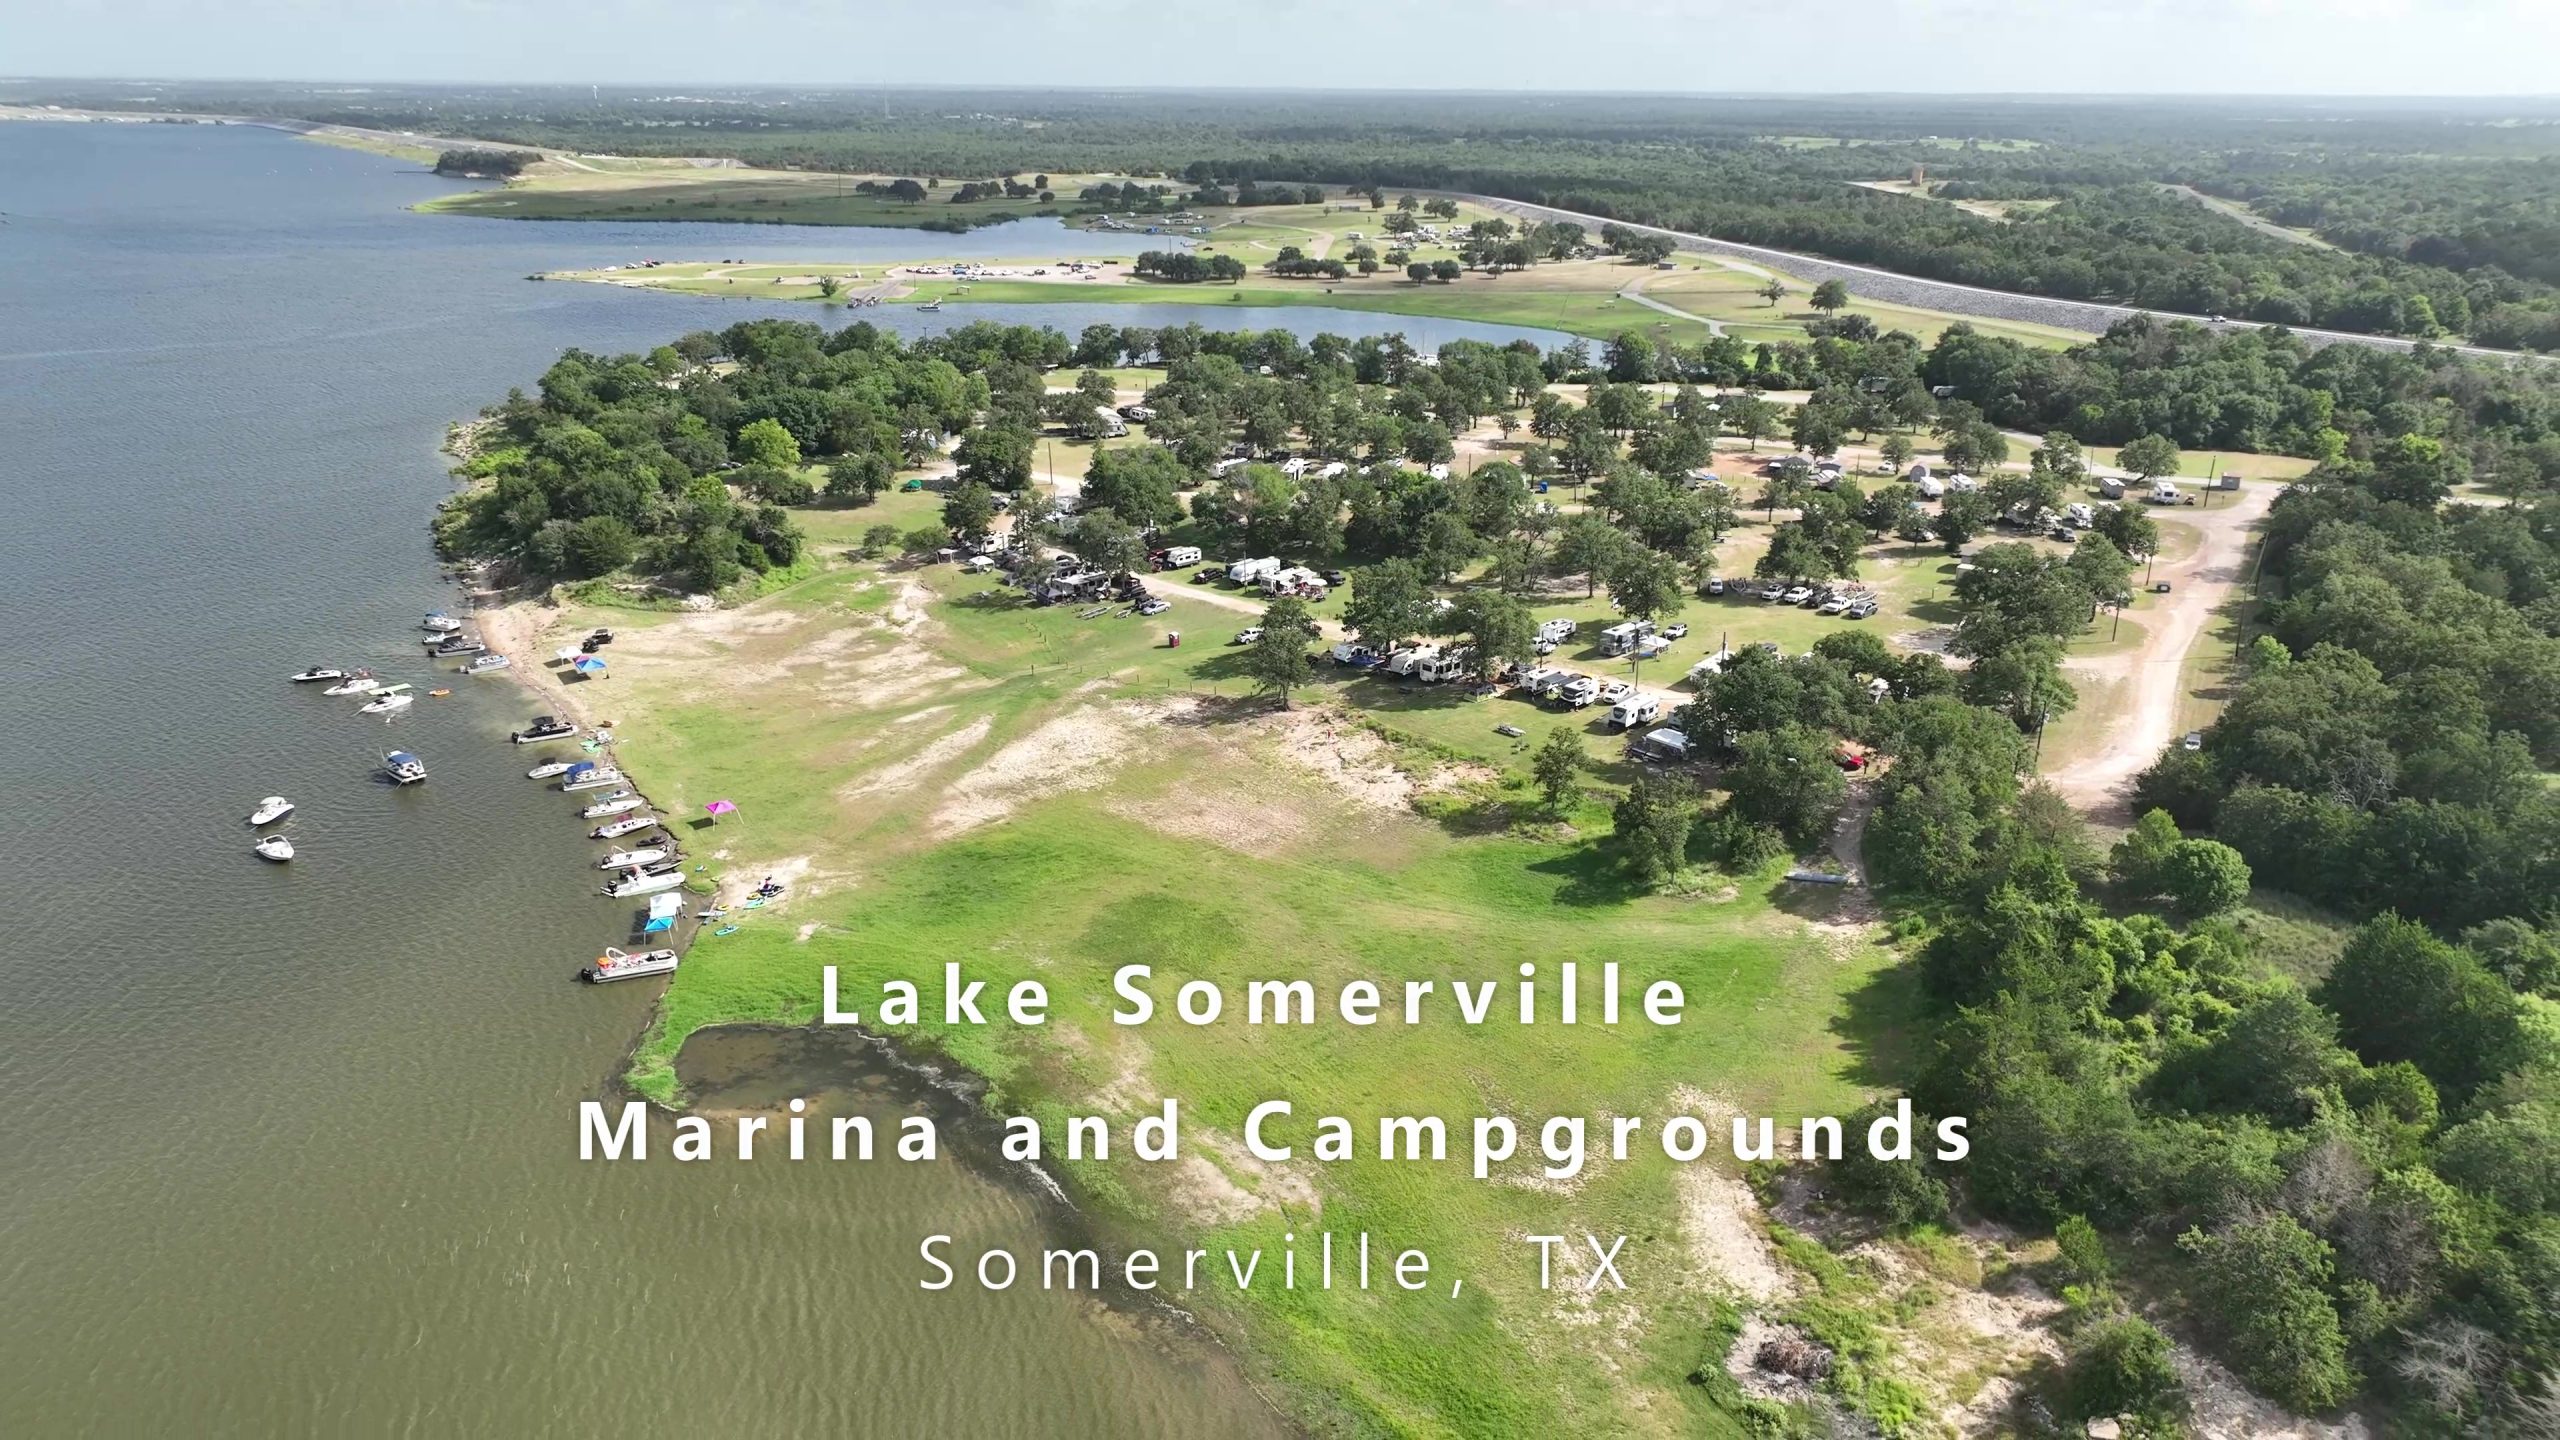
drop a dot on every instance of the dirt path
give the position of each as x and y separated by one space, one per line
1634 290
2200 585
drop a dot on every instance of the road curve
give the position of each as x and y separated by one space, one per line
1946 295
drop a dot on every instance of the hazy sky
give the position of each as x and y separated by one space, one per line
2427 47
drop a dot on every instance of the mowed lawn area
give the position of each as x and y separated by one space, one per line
948 774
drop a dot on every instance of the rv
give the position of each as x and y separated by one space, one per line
1360 656
1635 710
1247 572
1107 422
1557 631
1176 556
1404 662
2111 487
1443 667
1962 484
1539 682
1623 637
1668 746
1582 691
1707 669
1929 489
2165 492
1225 468
2078 516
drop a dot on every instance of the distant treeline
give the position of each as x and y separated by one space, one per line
501 163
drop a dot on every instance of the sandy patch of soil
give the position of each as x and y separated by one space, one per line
1075 751
2226 1410
1344 755
1719 1216
905 774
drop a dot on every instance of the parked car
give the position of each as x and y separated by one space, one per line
1155 607
2193 741
1675 632
1798 595
1248 635
1716 586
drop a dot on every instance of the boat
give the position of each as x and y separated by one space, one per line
616 964
388 699
643 882
627 825
551 768
456 645
319 672
544 727
403 767
484 663
594 777
440 623
360 683
274 847
715 912
930 306
620 802
271 810
631 859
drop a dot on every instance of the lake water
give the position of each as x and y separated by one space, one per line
290 1148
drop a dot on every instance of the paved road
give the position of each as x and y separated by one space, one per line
1945 295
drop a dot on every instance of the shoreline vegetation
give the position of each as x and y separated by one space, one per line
941 766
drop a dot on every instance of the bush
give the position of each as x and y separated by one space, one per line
2121 1367
2262 1287
858 479
1739 845
925 539
597 545
2204 877
776 486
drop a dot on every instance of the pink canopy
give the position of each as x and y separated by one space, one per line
721 807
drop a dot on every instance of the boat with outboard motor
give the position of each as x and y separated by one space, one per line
550 768
482 664
271 810
616 964
642 882
318 673
360 683
543 727
439 623
274 847
620 802
633 859
387 699
627 825
591 777
403 767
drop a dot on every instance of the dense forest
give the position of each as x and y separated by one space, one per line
2443 214
2347 1187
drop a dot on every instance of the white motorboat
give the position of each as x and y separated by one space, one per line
627 825
319 672
616 964
403 767
551 768
388 699
439 623
643 882
621 802
594 777
633 859
274 847
483 664
360 683
271 810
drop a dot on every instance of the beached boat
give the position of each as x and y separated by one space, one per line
632 859
627 825
643 882
271 810
483 664
620 802
403 767
550 768
274 847
360 683
616 964
387 699
318 673
439 623
453 645
593 777
544 727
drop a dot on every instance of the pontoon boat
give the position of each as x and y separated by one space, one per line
615 964
544 727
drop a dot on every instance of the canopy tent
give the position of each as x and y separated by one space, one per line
662 906
663 922
721 807
587 665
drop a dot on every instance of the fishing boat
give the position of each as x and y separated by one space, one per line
593 777
360 683
643 882
403 767
620 802
632 859
319 672
551 768
483 664
627 825
544 727
386 699
616 964
274 847
439 623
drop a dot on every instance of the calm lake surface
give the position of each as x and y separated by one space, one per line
290 1149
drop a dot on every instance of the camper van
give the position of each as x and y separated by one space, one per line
1635 710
